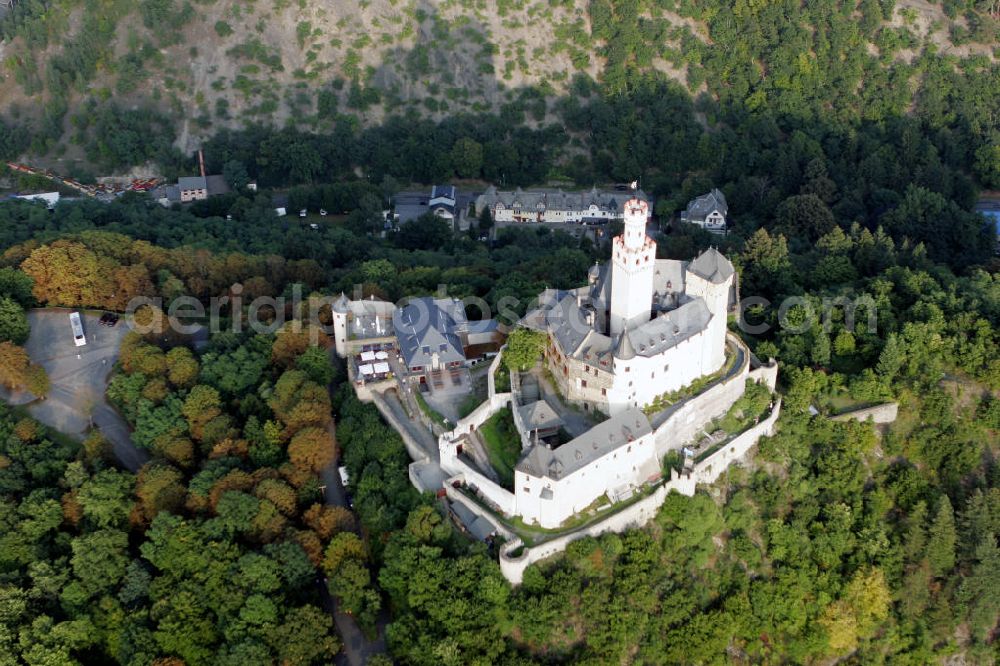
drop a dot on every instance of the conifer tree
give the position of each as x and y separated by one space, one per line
916 535
941 539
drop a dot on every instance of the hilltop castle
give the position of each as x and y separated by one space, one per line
643 351
641 328
638 364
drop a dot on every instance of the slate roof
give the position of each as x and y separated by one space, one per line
668 278
370 317
482 326
596 350
445 191
539 415
341 304
425 328
677 316
668 329
567 324
699 207
192 183
623 348
539 200
597 442
481 528
712 265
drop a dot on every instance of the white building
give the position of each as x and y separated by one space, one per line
708 211
641 328
430 334
556 206
612 458
362 325
442 201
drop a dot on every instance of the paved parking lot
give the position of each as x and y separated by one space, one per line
79 376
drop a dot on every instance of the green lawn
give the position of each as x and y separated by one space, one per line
502 379
503 445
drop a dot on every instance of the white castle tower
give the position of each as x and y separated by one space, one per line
710 276
633 259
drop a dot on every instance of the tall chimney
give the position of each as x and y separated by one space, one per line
201 162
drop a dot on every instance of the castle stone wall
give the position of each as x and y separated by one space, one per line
488 490
638 514
689 419
417 454
886 413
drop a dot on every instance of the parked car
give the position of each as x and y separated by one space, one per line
108 319
322 212
303 212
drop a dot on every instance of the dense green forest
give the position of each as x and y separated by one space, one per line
210 554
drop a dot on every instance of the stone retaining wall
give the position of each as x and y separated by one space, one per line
879 413
417 454
687 423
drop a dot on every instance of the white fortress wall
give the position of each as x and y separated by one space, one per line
634 516
638 514
491 492
491 379
688 421
766 374
626 467
493 404
479 415
456 495
885 413
712 467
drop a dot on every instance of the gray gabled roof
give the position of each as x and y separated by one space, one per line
566 322
424 330
700 207
539 415
713 266
538 200
447 191
192 183
597 442
669 329
481 528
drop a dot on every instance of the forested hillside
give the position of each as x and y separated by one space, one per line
123 84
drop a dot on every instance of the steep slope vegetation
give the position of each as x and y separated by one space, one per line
193 68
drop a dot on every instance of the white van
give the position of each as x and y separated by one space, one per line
78 337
